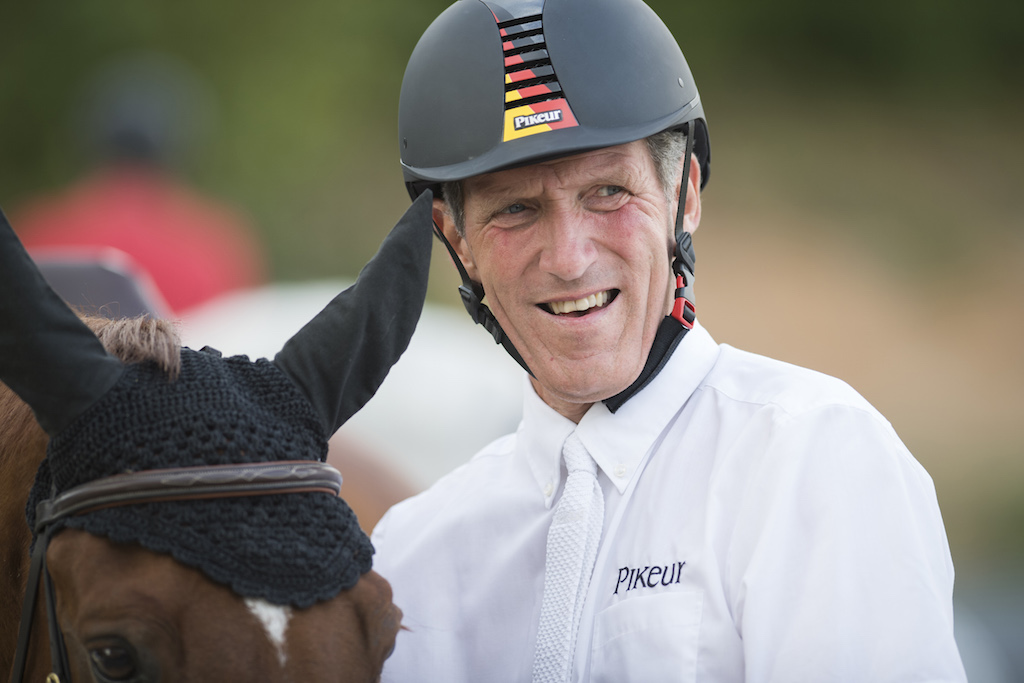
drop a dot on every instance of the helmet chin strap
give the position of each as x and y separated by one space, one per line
672 328
684 263
680 321
472 294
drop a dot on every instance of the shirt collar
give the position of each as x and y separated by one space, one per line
618 441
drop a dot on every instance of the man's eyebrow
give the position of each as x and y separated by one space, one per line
492 195
490 203
498 189
623 174
626 175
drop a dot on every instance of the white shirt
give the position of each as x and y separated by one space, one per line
762 523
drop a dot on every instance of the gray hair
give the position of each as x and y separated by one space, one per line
666 150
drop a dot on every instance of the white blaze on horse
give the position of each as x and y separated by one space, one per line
185 526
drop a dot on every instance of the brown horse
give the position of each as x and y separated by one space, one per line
131 614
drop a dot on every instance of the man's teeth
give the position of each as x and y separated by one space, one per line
584 304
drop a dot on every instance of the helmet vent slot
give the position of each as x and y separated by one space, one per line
514 26
528 47
519 34
529 75
538 67
529 82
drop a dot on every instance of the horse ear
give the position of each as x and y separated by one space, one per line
48 357
340 357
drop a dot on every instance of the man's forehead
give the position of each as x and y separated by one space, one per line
605 163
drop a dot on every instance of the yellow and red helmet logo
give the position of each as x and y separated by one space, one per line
535 118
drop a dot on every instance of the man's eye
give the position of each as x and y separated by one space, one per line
514 208
609 190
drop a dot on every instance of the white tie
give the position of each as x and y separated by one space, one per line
572 546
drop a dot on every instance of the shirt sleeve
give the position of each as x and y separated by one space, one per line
838 566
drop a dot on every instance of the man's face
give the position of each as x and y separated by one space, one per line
573 255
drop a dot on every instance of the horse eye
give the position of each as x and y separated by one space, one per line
114 662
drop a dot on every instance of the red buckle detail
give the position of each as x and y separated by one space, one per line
683 309
684 312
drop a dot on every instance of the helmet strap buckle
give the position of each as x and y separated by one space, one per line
685 261
683 309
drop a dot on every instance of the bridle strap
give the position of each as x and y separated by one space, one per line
58 652
61 670
28 608
191 483
150 486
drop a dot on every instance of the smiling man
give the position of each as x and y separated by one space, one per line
574 255
670 509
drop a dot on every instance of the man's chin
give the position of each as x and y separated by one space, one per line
581 385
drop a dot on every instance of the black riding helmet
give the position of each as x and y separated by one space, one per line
496 84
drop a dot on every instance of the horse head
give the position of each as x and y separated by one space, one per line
129 614
239 580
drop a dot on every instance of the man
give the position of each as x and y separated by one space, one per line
749 520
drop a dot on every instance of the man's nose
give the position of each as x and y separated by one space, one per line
568 249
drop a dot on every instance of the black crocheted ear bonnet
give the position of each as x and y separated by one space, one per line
105 418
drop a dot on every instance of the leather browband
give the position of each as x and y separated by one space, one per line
180 483
188 483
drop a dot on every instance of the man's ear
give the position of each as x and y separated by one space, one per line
691 215
444 221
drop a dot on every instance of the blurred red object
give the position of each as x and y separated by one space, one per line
193 248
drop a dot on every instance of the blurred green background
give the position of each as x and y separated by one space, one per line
864 215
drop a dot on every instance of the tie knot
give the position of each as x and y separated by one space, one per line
576 456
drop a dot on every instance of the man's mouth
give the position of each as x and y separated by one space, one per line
582 306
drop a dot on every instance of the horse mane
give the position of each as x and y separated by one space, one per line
23 448
140 339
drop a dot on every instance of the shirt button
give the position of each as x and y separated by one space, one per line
548 489
620 471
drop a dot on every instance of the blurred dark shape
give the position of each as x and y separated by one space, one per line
139 119
148 109
101 281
